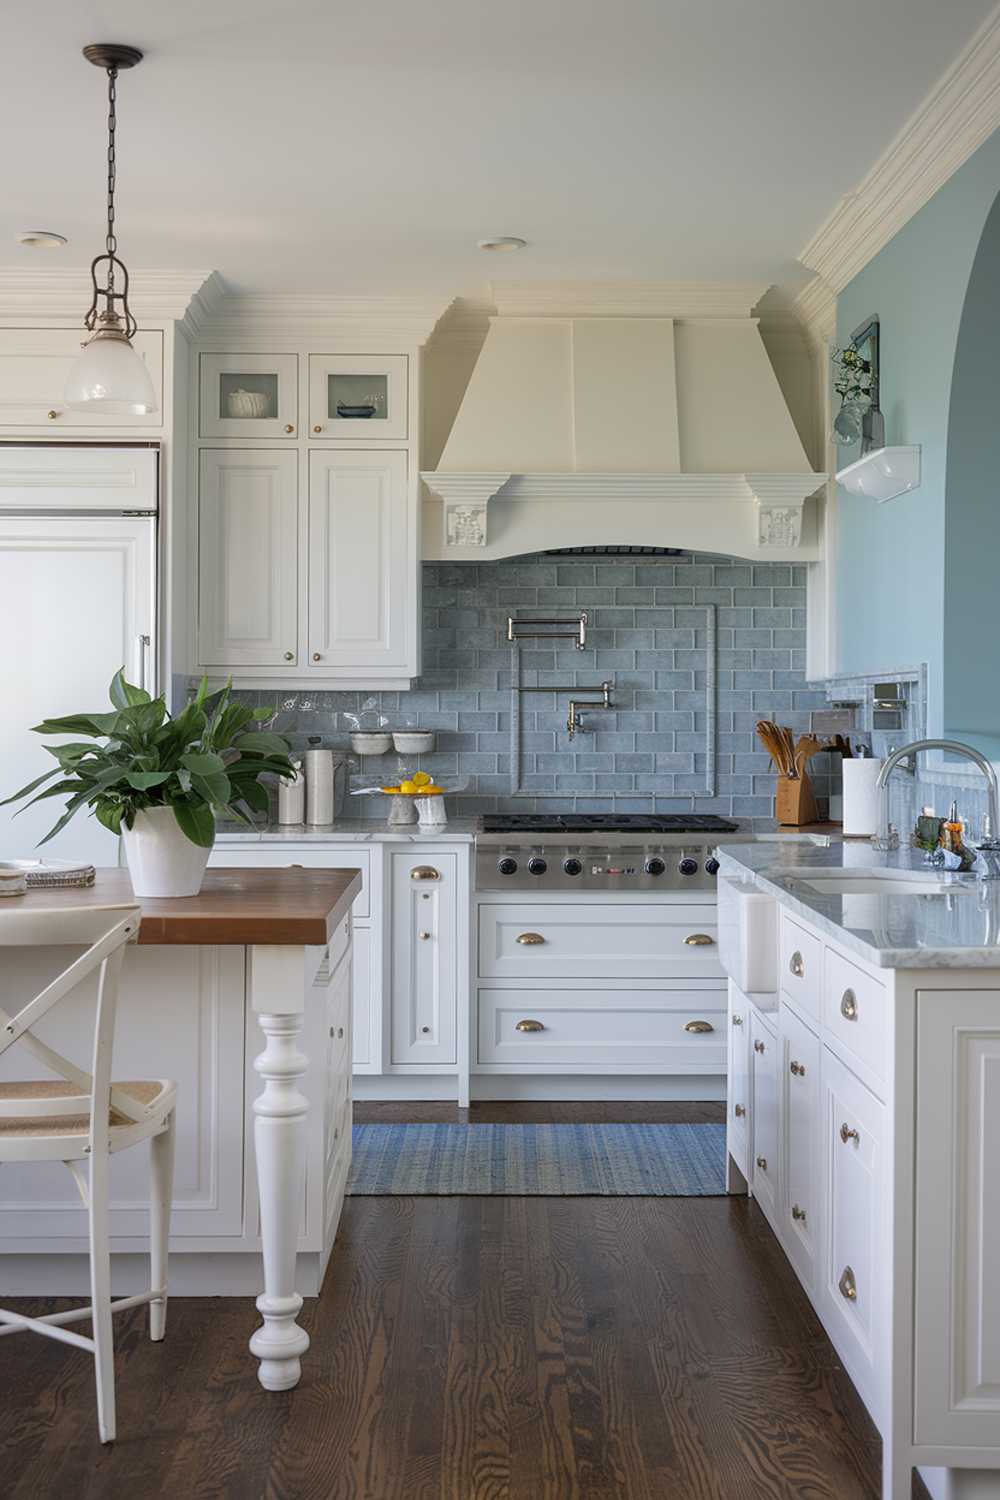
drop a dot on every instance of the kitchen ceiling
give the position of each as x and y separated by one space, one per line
327 146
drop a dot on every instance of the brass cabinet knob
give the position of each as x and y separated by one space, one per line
796 965
425 1030
289 655
699 1028
739 1110
758 1046
847 1134
316 656
289 427
423 936
762 1163
849 1005
425 872
530 939
53 415
529 1025
799 1069
737 1020
318 428
698 940
847 1285
798 1213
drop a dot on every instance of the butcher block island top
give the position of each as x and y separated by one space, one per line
251 907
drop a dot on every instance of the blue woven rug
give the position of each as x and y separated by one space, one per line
601 1161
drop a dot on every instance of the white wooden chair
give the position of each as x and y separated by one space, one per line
80 1117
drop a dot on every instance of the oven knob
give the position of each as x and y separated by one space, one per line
572 866
506 866
687 866
655 865
537 865
711 865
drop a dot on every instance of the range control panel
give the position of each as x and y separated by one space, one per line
565 867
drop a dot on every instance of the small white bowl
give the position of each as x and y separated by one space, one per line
13 880
371 742
414 741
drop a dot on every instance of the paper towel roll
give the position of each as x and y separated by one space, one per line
319 786
860 797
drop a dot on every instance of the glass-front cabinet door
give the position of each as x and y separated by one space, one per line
358 396
249 395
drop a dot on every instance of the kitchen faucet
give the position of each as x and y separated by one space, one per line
989 847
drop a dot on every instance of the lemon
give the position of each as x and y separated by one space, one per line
408 788
421 778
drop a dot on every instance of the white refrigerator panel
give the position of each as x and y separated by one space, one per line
78 476
79 602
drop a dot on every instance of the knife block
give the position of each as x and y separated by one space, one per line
794 802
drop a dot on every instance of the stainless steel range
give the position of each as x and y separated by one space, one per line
599 852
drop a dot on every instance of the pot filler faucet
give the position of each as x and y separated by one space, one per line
887 837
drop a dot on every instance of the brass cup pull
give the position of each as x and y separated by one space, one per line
762 1163
530 939
529 1025
737 1020
699 1028
799 1069
799 1214
796 965
425 872
847 1286
849 1005
847 1134
698 940
758 1046
739 1110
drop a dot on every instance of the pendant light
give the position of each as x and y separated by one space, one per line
109 375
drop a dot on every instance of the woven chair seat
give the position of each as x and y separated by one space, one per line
143 1091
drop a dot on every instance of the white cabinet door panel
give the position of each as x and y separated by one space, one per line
34 364
765 1168
738 1091
363 1001
424 918
248 558
360 584
801 1198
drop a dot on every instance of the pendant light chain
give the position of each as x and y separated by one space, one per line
111 241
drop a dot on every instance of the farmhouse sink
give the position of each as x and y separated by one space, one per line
889 883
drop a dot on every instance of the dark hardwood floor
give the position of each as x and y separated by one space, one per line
475 1349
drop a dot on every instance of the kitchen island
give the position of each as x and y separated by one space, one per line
257 948
864 1117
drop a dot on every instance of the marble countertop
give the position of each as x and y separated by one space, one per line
349 831
958 928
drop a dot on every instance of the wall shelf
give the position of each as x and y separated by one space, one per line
883 474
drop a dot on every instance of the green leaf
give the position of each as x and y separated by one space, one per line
261 715
143 780
99 726
110 814
262 743
123 694
256 796
59 789
26 790
213 789
203 764
196 822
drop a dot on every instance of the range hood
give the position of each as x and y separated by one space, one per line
587 424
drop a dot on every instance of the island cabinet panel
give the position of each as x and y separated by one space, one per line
248 558
180 1017
799 1065
765 1168
957 1336
738 1093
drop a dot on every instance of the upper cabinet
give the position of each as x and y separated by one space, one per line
358 397
249 396
34 364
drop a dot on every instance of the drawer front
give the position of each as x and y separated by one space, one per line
800 966
262 857
609 1029
856 1012
853 1285
802 1199
598 942
738 1091
765 1173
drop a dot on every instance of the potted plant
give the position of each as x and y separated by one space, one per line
161 781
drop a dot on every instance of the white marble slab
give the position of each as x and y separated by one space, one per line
957 929
460 831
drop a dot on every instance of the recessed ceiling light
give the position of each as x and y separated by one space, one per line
503 242
41 239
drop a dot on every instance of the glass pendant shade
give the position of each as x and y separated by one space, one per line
110 376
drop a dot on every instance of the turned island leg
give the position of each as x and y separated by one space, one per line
276 976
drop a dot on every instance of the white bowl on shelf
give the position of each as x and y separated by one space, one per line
371 742
414 741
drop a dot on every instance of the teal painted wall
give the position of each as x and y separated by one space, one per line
891 572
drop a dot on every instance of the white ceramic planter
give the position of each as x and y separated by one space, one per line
162 861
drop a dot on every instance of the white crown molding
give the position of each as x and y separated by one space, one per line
156 296
626 299
960 112
464 324
816 309
382 321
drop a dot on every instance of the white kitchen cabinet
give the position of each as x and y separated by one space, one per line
424 982
248 558
765 1168
801 1204
364 1036
361 555
360 398
34 364
567 940
248 395
738 1093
